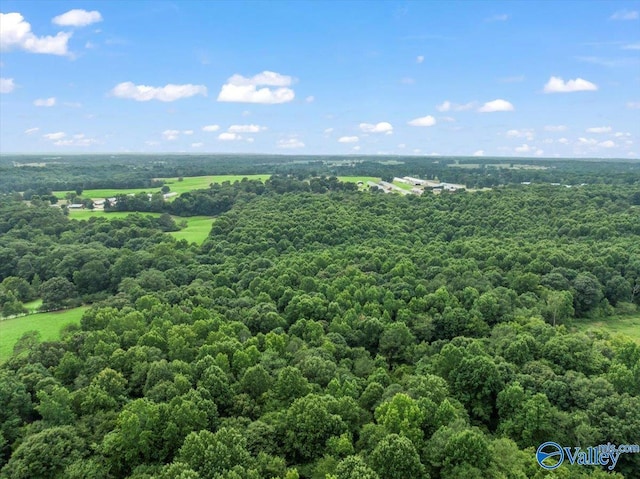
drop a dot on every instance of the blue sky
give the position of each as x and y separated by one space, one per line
531 79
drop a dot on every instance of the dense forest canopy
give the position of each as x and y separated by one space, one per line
321 331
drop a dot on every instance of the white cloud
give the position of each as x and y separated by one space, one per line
348 139
7 85
310 99
328 131
16 33
30 131
498 18
382 127
512 79
496 105
620 134
402 145
625 15
77 140
229 137
55 136
587 141
170 135
356 148
563 141
607 144
633 105
632 46
448 119
555 128
539 152
246 128
478 153
291 143
211 128
522 149
197 145
558 85
419 58
423 121
448 106
45 102
187 132
77 18
166 93
599 129
524 133
245 90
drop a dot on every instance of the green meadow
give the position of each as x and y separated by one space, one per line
48 324
624 325
188 183
355 179
196 230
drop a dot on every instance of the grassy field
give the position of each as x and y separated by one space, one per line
196 231
189 183
625 325
355 179
402 185
48 324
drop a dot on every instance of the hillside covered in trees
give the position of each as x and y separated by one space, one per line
322 332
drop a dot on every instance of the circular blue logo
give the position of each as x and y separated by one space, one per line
550 455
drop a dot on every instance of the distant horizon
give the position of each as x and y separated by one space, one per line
395 78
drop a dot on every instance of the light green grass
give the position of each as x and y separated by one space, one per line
355 179
48 324
403 186
33 306
197 230
189 183
86 214
625 325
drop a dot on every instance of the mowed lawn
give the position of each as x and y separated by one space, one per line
625 325
189 183
196 231
48 324
355 179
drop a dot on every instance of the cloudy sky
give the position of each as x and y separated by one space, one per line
449 78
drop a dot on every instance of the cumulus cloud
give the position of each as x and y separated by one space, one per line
211 128
170 134
166 93
77 18
197 145
607 144
382 127
328 131
522 149
7 85
563 141
419 58
524 133
246 128
633 105
310 99
291 143
77 140
599 129
15 33
478 153
558 85
187 132
55 136
625 15
448 106
348 139
496 105
423 121
229 136
587 141
555 128
258 89
31 131
47 102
